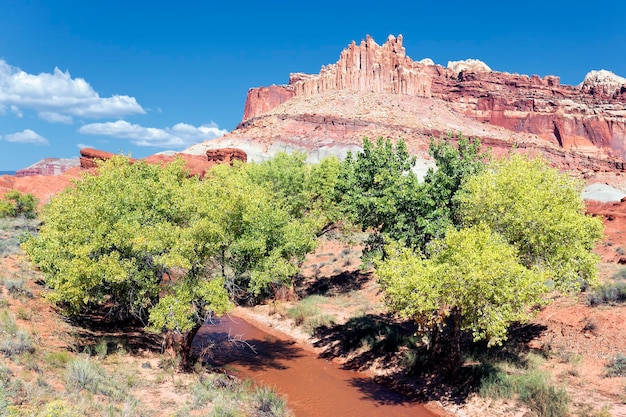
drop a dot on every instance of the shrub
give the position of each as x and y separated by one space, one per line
269 403
304 309
532 388
609 293
616 366
82 373
621 274
15 204
322 320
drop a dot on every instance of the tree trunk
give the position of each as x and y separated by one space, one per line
179 344
455 351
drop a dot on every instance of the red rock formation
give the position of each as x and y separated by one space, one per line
589 119
227 155
89 156
263 99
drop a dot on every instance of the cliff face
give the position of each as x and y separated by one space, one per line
48 166
589 119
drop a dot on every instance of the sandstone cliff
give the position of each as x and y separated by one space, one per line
589 119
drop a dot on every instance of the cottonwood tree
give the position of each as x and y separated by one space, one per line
472 279
523 227
381 192
540 211
148 242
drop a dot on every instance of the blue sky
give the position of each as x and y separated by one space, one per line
142 77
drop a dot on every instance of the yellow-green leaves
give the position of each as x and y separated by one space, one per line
539 211
472 271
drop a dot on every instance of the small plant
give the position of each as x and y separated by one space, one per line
532 388
102 348
621 274
24 313
616 366
620 250
83 373
609 293
269 403
57 359
321 320
305 308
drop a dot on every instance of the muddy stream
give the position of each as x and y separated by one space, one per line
313 387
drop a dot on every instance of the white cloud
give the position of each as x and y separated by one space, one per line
83 146
17 111
179 136
58 93
54 117
26 136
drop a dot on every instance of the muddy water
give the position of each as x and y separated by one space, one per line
314 387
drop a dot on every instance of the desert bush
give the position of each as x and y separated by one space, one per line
616 366
621 274
305 308
83 373
268 403
15 204
57 359
532 388
16 287
321 320
609 293
13 341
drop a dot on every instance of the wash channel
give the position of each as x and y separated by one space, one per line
314 387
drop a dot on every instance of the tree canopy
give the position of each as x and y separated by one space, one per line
540 211
381 192
472 276
149 242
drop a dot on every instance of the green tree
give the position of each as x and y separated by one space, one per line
145 241
15 204
454 164
381 192
472 280
540 211
308 190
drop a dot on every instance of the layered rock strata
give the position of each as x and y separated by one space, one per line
589 119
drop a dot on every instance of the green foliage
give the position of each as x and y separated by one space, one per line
454 165
381 191
471 275
256 243
305 190
539 211
609 293
150 242
15 204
